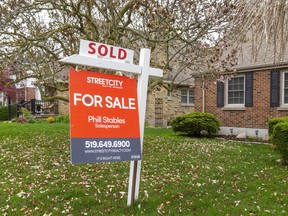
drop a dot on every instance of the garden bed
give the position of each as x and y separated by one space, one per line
247 139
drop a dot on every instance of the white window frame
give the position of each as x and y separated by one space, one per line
188 96
282 88
226 93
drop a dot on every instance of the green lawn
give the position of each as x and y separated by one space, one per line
180 175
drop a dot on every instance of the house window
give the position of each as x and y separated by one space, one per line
235 91
187 97
279 89
285 88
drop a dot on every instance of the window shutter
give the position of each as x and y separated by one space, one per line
220 94
274 87
249 90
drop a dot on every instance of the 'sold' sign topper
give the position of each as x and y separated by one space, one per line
99 50
104 117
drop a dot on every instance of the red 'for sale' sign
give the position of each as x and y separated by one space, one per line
104 121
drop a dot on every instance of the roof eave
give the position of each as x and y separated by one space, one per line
261 67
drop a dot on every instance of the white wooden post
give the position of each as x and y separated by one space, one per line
135 166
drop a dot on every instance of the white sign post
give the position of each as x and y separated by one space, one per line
120 59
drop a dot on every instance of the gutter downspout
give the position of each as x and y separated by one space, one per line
203 95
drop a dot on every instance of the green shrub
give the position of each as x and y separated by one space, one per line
50 119
62 119
194 123
31 120
25 112
6 122
4 113
280 140
272 122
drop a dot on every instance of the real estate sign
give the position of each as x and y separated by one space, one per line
104 121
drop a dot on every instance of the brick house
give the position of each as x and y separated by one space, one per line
25 91
244 102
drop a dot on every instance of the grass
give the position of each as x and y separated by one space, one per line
180 175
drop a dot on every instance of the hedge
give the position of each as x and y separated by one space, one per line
280 139
272 122
4 113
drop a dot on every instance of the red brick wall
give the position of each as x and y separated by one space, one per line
30 93
252 117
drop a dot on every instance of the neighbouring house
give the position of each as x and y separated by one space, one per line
245 101
26 90
164 105
27 95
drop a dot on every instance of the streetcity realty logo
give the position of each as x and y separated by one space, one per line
105 82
